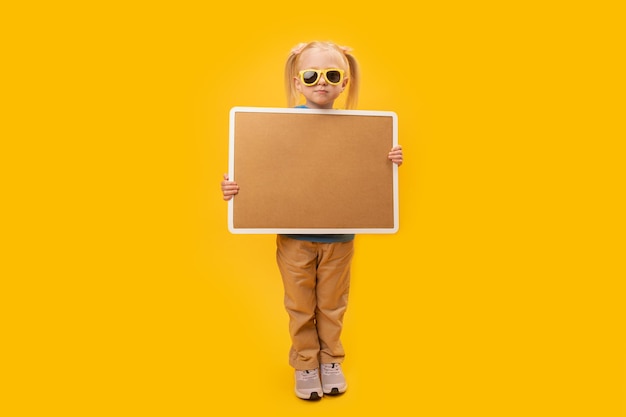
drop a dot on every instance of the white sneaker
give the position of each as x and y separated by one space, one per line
333 381
308 386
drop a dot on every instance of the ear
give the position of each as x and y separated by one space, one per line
344 83
296 81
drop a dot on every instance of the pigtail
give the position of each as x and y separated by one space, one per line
290 71
290 88
354 82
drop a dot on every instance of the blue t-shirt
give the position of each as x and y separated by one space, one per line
323 238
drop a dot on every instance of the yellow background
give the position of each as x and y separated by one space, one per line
123 294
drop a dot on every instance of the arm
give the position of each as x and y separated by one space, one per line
395 155
229 188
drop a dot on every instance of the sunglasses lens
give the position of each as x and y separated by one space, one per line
309 77
333 76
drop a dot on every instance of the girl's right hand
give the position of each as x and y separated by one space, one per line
229 188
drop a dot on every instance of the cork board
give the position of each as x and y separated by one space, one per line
304 171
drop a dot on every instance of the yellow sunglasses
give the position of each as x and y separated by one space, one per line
309 77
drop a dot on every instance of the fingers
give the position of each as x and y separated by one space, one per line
229 188
229 191
395 155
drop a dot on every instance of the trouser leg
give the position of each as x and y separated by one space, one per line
333 285
297 264
316 278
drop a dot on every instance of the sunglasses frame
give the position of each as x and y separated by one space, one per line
321 73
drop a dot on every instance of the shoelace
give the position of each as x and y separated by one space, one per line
307 375
331 368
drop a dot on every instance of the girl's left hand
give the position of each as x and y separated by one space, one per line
396 155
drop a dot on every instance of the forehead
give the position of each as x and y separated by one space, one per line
316 58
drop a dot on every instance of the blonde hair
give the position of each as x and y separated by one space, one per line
352 66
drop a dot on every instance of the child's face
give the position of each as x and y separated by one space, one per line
322 94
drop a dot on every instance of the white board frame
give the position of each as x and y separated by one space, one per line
316 230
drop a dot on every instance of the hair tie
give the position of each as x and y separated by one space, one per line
345 49
298 48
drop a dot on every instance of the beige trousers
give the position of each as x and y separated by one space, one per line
316 277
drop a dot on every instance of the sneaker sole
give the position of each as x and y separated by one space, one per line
314 396
335 391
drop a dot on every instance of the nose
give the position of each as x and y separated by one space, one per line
322 79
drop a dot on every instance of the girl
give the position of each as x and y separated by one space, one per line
315 269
